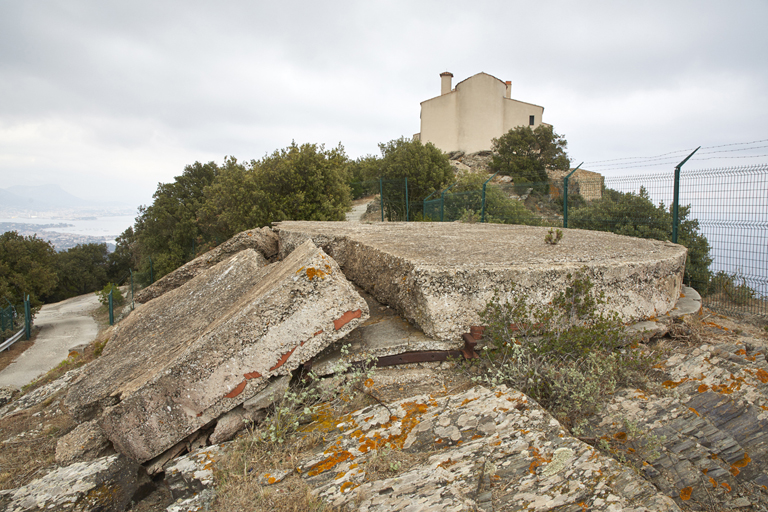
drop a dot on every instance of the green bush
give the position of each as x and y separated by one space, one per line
567 355
117 296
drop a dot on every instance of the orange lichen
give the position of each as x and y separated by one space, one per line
740 464
347 486
713 482
705 470
538 460
672 384
734 471
314 272
346 318
621 436
337 457
726 486
238 389
446 463
466 401
762 375
703 388
741 352
685 493
694 411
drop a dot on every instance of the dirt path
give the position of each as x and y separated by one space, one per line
63 325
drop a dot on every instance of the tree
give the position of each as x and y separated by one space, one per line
626 213
168 229
81 269
364 176
525 155
27 267
425 166
466 195
304 182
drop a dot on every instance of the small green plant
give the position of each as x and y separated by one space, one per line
103 294
553 237
98 348
567 355
469 216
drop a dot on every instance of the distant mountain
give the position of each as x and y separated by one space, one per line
44 197
37 199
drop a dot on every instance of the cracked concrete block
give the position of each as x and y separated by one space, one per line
186 358
107 483
270 394
441 275
233 422
262 240
86 442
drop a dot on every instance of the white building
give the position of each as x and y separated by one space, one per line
477 110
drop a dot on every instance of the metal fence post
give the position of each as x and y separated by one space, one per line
482 215
381 198
132 302
407 209
111 310
676 198
565 195
27 319
424 204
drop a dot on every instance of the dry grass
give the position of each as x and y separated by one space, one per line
29 442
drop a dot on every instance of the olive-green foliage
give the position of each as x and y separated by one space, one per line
168 230
567 355
208 204
27 267
117 296
526 154
304 182
499 209
425 166
81 269
632 214
733 287
364 176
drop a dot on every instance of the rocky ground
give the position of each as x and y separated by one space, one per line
425 436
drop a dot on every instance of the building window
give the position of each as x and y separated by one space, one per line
531 120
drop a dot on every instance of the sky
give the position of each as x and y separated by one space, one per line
108 99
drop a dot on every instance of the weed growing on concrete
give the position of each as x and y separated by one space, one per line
553 237
569 355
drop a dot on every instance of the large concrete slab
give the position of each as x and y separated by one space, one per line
182 360
262 240
441 275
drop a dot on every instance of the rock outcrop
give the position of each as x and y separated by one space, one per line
262 240
441 275
103 484
179 362
484 450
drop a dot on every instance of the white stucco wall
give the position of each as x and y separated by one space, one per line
472 114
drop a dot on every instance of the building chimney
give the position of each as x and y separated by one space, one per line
508 93
445 82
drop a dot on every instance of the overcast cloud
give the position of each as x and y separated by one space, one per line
107 99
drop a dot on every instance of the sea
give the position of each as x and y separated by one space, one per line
107 228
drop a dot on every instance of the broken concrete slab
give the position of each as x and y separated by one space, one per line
385 333
273 392
262 240
184 359
493 449
441 275
228 425
108 483
689 303
86 442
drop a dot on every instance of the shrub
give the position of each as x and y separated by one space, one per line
117 296
567 355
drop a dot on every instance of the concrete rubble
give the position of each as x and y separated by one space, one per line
191 355
262 240
439 276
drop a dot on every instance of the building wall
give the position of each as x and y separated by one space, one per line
472 114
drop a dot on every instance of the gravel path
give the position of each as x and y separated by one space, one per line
64 325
